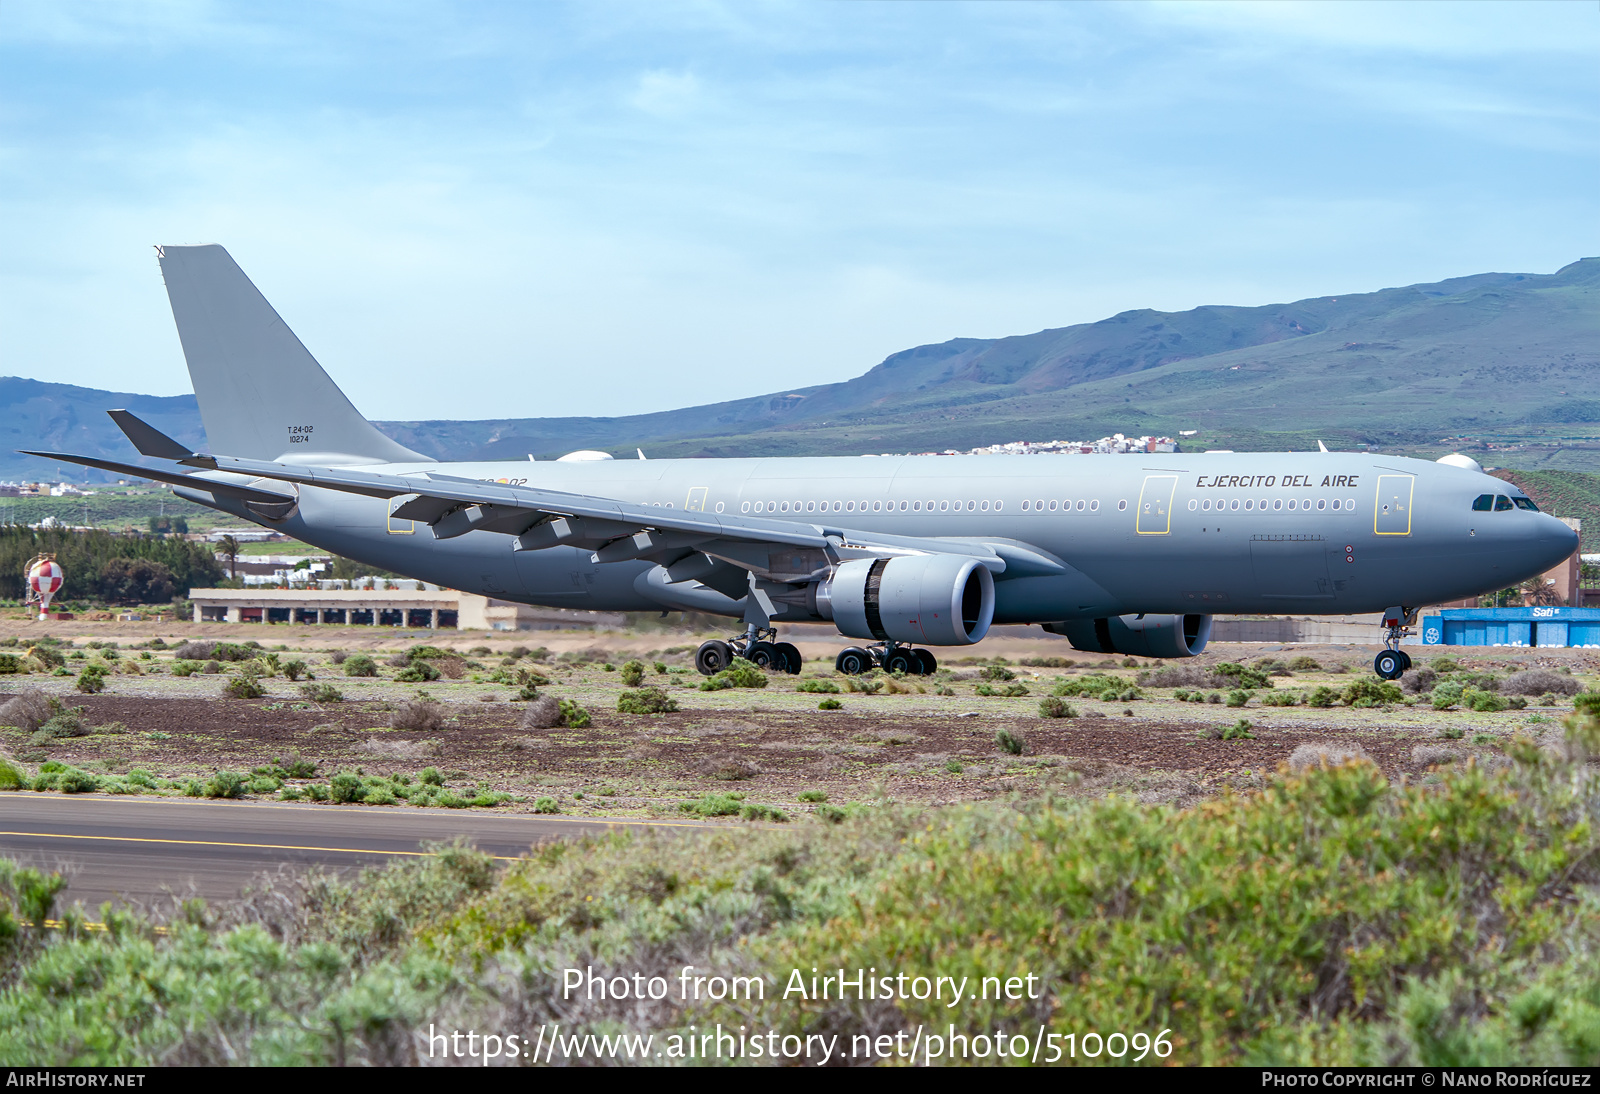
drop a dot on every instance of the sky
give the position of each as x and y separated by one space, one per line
485 210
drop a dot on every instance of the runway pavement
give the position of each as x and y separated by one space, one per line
141 849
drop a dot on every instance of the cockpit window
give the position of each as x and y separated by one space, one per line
1483 503
1502 503
1526 503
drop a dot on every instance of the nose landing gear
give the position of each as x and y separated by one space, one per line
1393 662
754 645
890 656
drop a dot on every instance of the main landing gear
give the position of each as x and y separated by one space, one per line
754 645
1393 662
890 656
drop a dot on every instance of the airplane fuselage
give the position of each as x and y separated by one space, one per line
1098 535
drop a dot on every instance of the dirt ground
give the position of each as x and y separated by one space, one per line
770 744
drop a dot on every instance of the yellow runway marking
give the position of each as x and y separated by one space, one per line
219 843
419 812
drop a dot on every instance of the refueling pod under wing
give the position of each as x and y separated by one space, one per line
1138 635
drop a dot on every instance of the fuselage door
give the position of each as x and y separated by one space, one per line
399 527
1155 505
696 501
1391 515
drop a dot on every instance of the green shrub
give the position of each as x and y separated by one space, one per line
1237 698
1245 678
1322 697
647 700
1010 742
1281 699
317 792
345 787
714 805
1108 689
359 664
11 776
92 680
1371 693
266 784
225 784
633 674
1052 707
546 805
762 812
574 715
417 672
1305 664
74 781
863 685
185 668
321 693
827 687
812 796
740 674
997 673
661 668
243 686
294 669
431 776
832 814
1239 731
1452 733
829 704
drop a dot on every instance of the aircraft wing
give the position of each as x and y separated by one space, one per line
691 545
616 531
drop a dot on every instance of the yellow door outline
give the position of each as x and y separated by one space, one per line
1154 516
1394 498
399 527
696 502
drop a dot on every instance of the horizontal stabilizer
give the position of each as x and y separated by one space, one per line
149 440
176 478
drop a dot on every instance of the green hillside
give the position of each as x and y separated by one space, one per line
1505 358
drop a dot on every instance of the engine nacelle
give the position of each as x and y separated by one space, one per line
937 600
1140 635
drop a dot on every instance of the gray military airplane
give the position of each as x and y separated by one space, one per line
1125 554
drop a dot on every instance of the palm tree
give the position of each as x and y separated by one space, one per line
230 551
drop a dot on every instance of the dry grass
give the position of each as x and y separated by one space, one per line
1325 754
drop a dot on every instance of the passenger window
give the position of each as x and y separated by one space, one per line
1094 506
1502 503
1526 503
1483 503
1248 504
1193 505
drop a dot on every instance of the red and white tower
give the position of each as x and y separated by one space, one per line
45 578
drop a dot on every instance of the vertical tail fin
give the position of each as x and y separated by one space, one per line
261 393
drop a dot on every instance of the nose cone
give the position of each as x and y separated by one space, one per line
1552 544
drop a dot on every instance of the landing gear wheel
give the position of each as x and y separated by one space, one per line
930 663
903 661
853 661
764 655
1405 661
792 661
1389 665
712 657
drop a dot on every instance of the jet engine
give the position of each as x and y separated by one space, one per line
936 600
1140 635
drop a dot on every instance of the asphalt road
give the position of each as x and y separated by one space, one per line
141 849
